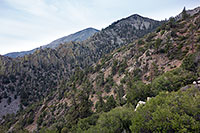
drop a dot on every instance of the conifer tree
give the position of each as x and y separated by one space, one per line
184 13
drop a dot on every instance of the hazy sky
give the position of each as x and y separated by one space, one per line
27 24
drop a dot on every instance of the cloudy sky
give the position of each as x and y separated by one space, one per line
27 24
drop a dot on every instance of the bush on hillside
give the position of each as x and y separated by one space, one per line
169 112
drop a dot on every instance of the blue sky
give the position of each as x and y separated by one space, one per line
27 24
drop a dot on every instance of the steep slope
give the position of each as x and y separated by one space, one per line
78 36
121 32
164 60
33 77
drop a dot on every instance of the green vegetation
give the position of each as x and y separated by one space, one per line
172 80
189 63
169 112
138 91
184 14
117 120
119 67
65 92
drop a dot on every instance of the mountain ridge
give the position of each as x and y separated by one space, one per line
94 85
78 36
32 77
154 65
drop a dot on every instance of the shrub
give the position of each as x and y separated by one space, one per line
117 120
169 112
172 80
188 63
150 37
140 42
157 44
86 123
162 32
184 14
114 67
122 66
110 103
173 33
138 91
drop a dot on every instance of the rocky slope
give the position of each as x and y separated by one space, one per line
76 37
32 77
164 60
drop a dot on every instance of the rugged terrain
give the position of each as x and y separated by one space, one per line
32 77
93 86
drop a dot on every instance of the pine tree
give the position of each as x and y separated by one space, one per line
184 13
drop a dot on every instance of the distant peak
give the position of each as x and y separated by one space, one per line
78 37
90 28
135 15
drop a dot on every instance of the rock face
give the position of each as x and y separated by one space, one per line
78 36
121 32
10 108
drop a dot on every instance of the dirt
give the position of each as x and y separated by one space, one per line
33 126
107 72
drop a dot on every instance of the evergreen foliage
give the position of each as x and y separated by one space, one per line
169 112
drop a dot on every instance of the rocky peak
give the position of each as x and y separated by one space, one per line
137 21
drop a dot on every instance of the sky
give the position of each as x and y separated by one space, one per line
27 24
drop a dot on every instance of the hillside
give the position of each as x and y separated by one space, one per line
164 60
31 78
76 37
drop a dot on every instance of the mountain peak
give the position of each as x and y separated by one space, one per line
136 15
78 36
90 28
137 22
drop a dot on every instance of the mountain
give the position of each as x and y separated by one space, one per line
30 78
20 54
102 97
95 85
78 36
160 66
